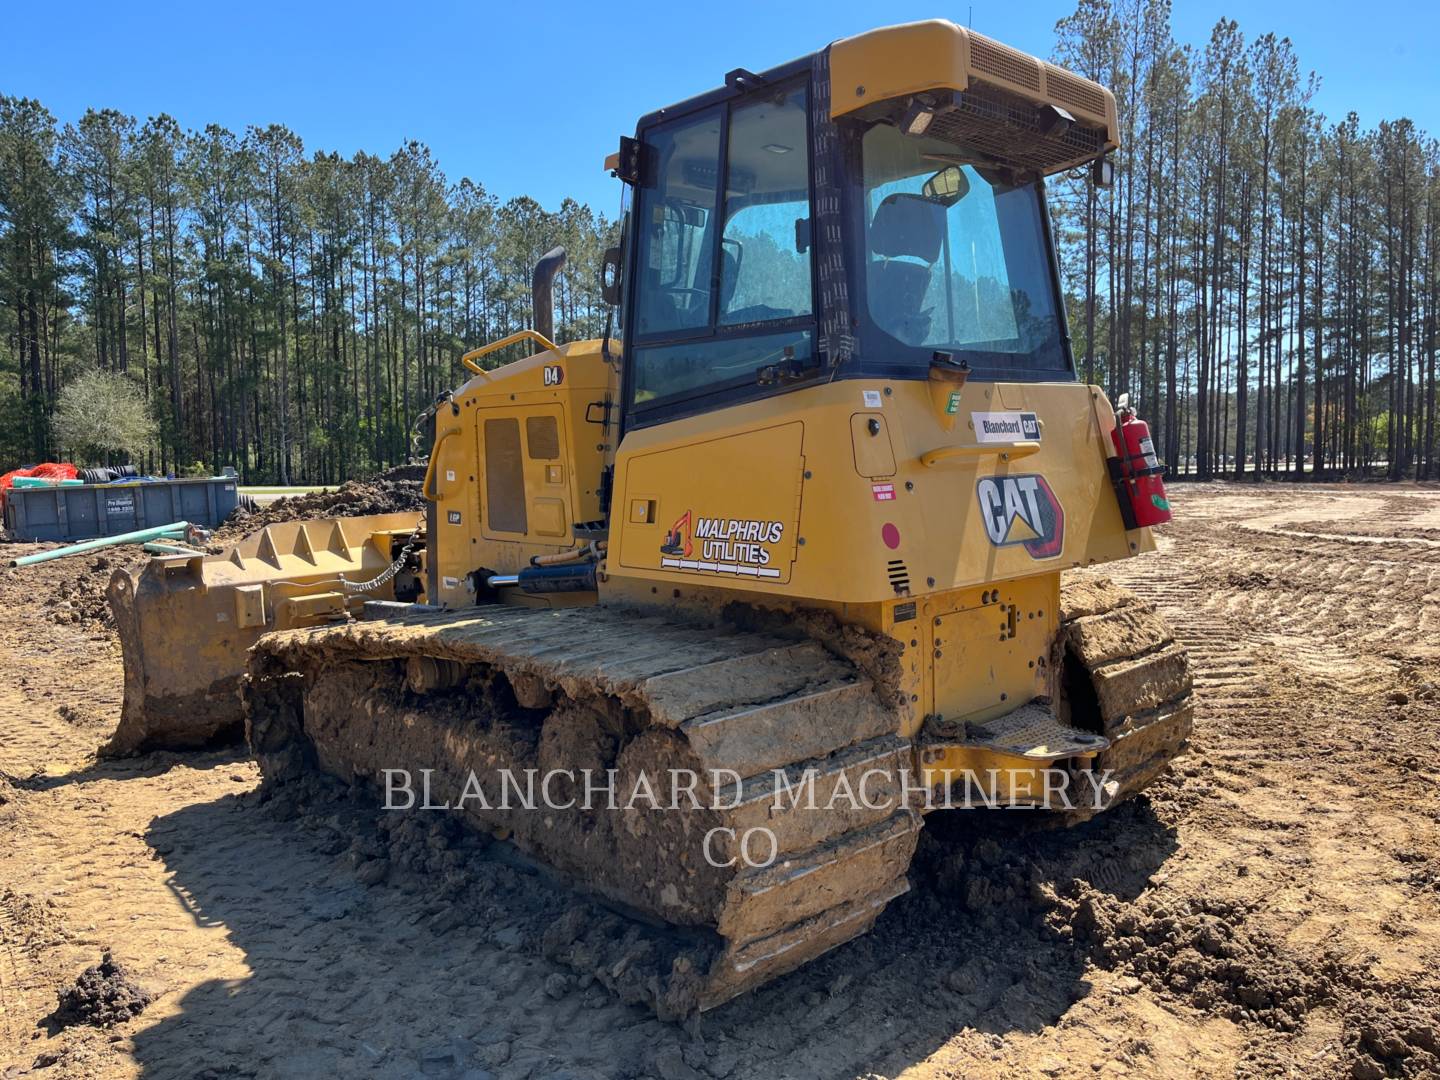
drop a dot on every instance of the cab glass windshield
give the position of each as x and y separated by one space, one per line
954 259
724 296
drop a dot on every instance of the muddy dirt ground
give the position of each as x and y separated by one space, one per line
1271 909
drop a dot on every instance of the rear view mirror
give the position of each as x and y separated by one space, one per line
610 275
1102 172
948 186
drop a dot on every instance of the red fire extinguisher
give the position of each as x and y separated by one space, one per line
1140 470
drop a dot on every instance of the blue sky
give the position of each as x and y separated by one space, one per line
529 98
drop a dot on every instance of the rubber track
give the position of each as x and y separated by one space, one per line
764 707
1141 676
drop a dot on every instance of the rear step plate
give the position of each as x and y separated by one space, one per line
1032 732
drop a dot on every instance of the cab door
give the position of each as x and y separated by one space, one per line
522 453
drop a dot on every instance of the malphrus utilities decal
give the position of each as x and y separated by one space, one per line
1022 510
739 546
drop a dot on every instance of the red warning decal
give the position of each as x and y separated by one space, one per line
883 492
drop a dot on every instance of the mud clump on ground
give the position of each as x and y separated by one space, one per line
1201 951
103 996
1084 888
357 498
1088 891
1250 579
1390 1038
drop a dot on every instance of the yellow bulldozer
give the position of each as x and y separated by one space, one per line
795 525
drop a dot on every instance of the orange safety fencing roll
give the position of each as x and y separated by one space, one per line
50 470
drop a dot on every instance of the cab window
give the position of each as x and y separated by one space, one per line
956 259
676 215
724 279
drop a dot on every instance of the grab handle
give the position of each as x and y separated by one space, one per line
1005 451
485 350
425 490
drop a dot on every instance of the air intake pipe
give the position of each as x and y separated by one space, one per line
542 291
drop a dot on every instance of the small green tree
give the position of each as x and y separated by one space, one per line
103 414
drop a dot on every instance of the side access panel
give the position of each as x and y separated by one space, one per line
737 519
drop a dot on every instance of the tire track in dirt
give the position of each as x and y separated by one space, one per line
1228 678
54 723
32 738
1327 613
1320 588
12 973
1299 807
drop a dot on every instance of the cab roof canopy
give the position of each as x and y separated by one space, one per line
946 81
943 80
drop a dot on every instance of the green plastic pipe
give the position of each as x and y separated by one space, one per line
42 482
139 536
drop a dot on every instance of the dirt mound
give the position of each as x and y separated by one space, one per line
1091 888
1201 951
103 996
68 592
1393 1038
357 498
403 472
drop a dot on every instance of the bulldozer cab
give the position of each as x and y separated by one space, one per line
845 362
784 234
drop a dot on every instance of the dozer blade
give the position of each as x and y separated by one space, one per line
186 622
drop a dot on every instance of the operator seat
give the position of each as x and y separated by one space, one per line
731 259
905 233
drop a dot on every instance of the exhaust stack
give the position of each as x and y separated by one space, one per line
542 291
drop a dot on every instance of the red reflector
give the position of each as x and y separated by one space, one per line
891 535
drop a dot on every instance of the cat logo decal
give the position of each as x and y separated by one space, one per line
1022 510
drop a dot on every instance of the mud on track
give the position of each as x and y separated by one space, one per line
1272 908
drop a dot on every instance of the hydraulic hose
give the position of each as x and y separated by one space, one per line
593 550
